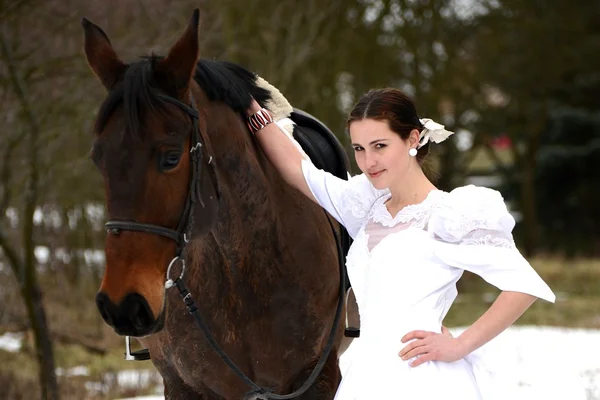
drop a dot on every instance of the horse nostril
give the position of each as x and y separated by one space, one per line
139 312
103 304
132 316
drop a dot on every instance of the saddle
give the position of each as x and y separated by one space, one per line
320 144
326 153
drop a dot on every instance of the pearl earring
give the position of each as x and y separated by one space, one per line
412 152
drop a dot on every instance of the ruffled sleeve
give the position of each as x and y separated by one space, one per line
348 201
473 232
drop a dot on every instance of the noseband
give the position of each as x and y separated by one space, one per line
182 235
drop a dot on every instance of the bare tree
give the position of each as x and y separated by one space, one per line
24 265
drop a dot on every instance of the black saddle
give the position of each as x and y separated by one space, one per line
326 153
320 144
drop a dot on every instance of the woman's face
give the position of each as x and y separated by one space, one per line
381 154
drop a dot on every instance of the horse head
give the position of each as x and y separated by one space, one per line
159 177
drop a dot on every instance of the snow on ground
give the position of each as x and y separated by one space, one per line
11 342
537 363
127 379
547 363
534 362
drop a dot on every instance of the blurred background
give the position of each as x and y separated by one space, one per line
518 81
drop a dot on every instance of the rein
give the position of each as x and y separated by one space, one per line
182 236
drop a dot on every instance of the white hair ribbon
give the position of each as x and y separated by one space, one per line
433 132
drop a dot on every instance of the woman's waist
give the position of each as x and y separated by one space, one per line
390 327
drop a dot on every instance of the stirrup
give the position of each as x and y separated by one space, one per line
140 355
350 331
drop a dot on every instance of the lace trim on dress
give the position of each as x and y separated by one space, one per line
485 238
460 227
465 228
416 214
471 230
354 202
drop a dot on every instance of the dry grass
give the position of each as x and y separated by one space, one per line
18 374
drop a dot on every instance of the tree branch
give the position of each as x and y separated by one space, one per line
64 337
5 176
11 8
31 190
13 257
52 32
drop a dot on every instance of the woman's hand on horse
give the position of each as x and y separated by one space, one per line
431 346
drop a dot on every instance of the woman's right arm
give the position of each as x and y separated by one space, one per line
348 201
282 153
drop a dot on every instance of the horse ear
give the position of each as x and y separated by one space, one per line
101 56
177 69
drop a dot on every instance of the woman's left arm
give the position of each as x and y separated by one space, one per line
431 346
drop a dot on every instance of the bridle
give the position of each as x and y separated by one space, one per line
182 236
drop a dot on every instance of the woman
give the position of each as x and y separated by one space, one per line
412 243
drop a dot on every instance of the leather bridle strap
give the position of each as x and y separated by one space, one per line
115 227
182 234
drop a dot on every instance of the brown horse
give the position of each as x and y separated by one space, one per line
171 142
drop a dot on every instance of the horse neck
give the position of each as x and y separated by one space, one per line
248 207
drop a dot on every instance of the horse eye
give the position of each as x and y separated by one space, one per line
170 160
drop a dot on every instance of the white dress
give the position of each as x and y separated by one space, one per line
404 270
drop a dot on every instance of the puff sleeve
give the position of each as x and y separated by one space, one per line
472 229
348 201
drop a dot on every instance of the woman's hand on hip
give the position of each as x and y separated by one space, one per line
431 346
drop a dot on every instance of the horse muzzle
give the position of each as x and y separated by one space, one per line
131 317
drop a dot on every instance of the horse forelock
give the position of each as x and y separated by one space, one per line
137 93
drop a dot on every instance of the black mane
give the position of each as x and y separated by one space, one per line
221 81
